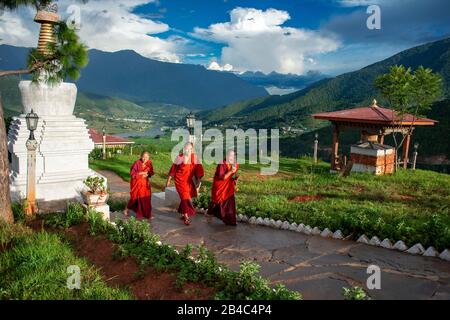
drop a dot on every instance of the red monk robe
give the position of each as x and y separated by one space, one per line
183 175
140 191
223 204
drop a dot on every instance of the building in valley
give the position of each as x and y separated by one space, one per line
112 143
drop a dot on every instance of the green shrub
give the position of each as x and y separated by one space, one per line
203 199
248 284
96 154
97 224
354 293
73 215
18 209
135 239
116 204
133 231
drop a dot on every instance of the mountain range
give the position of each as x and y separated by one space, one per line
341 92
127 84
282 81
128 75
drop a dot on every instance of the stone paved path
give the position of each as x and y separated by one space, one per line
314 266
117 186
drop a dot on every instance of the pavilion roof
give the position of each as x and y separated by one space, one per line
373 114
97 137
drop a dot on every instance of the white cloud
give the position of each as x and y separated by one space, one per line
107 25
17 31
217 67
257 40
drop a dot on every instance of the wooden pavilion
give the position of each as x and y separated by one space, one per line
374 122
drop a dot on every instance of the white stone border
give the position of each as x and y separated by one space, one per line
416 249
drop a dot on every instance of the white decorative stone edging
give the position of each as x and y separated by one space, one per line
416 249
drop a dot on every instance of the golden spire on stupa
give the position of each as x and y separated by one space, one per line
47 16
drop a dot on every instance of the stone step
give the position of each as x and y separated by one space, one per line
158 199
172 200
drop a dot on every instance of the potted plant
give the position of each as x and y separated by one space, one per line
96 194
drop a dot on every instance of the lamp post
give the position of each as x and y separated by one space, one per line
104 143
316 146
190 121
416 146
32 122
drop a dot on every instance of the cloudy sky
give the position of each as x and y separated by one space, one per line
286 36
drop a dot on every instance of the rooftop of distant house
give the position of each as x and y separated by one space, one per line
374 114
97 137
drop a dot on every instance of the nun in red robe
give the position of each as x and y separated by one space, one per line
140 191
186 172
223 204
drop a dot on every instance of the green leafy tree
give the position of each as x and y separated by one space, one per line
68 56
408 92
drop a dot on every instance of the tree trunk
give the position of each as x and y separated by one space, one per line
14 72
5 200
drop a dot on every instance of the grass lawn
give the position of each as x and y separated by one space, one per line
33 266
412 206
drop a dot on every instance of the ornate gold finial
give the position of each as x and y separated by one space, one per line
47 16
374 103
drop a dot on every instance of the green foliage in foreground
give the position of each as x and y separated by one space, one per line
354 293
72 216
35 268
18 209
135 239
203 200
412 206
9 232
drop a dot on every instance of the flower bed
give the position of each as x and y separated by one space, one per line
192 264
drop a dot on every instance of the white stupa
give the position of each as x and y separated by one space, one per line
63 143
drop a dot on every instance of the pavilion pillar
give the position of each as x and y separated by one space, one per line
381 138
405 150
335 147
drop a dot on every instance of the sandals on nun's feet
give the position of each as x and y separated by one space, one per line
187 221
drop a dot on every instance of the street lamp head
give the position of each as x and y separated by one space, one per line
416 146
190 120
104 130
316 135
32 120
